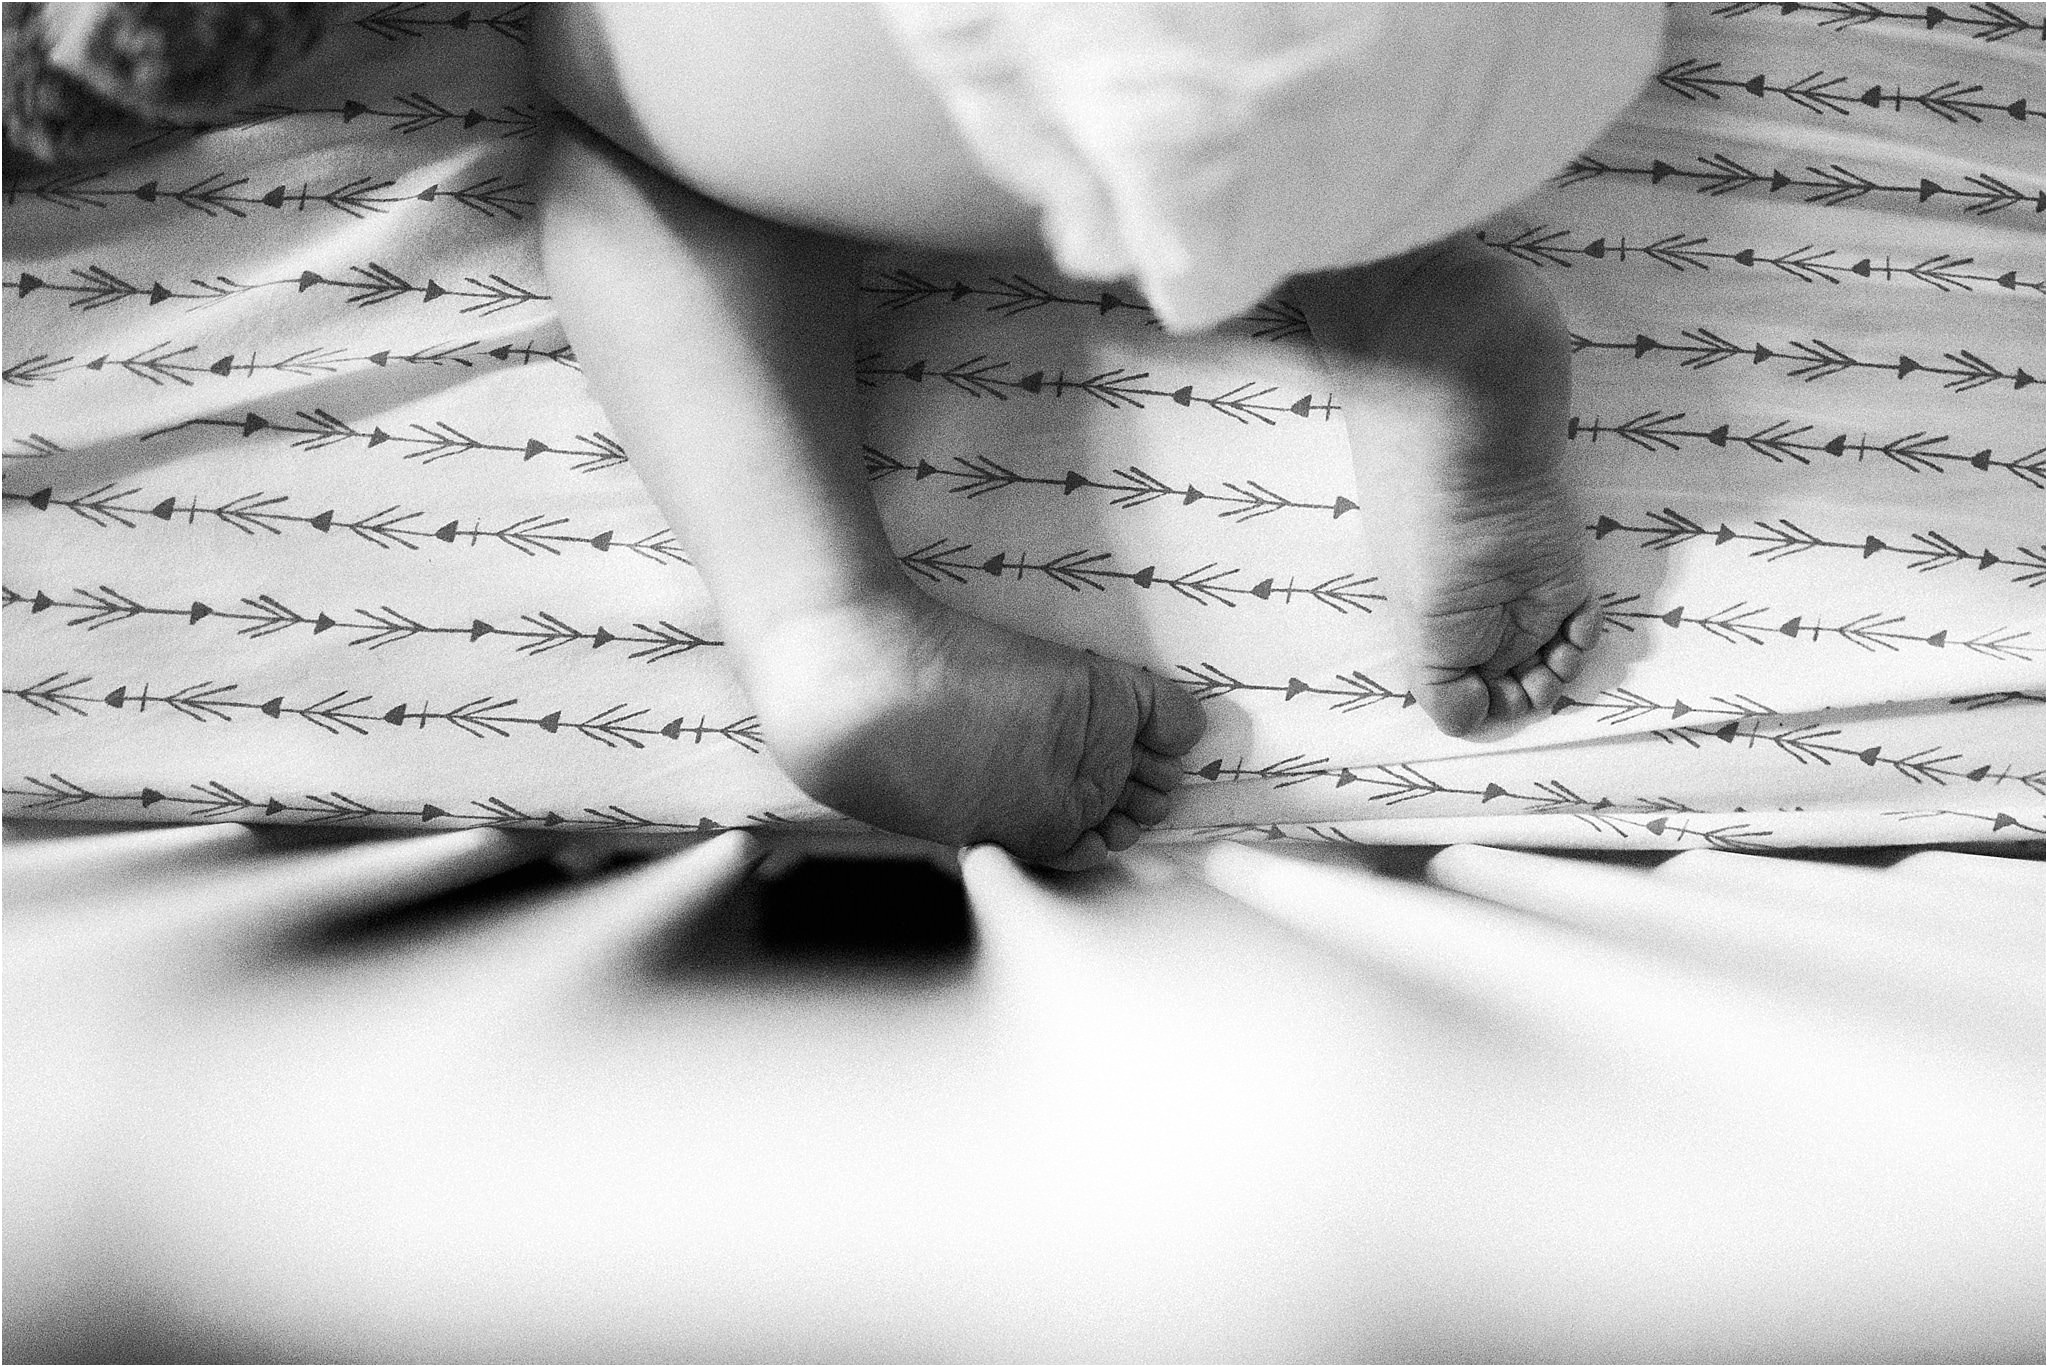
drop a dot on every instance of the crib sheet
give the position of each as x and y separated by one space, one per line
309 517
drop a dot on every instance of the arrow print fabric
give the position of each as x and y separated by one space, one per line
310 518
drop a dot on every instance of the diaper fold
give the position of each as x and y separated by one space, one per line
1209 151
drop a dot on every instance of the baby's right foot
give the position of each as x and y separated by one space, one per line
922 720
1455 370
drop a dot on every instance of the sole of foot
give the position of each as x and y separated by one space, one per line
1454 368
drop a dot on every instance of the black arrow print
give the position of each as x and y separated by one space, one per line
1972 702
34 446
1207 585
1621 706
1779 442
1396 785
357 714
982 378
1013 295
389 528
1542 245
2000 821
1989 23
1828 185
1348 692
415 113
164 364
216 801
1678 829
1694 79
257 617
1774 540
1746 624
977 476
215 195
316 429
1810 743
1810 360
396 21
96 287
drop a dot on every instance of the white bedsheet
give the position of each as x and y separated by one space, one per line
309 517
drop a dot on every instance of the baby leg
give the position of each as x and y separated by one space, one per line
721 347
1454 368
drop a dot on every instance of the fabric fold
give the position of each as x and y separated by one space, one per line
1208 152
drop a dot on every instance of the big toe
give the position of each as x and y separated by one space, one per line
1173 720
1458 704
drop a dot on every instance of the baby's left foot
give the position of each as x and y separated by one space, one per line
917 718
1454 366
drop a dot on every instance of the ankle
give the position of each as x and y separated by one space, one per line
771 639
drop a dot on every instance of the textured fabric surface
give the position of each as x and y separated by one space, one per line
309 517
1208 152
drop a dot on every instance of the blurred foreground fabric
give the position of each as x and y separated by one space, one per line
1216 1104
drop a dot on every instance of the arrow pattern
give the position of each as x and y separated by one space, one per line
1831 186
34 446
1999 821
317 429
1694 79
391 528
1810 360
400 21
1736 836
1782 441
1542 245
1395 785
1754 723
1811 743
167 364
50 794
356 714
1988 23
215 195
1208 585
1975 701
1011 296
1346 692
95 287
1117 388
1695 296
263 616
1744 623
1668 529
978 476
414 113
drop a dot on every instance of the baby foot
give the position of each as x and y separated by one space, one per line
925 721
1455 370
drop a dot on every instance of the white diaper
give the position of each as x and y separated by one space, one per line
1209 151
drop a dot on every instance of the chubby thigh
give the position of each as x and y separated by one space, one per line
807 114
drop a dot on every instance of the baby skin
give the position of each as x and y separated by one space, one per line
704 220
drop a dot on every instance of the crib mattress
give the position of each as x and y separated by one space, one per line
310 517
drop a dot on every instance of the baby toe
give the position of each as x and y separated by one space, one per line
1506 698
1117 831
1091 851
1563 658
1540 683
1173 720
1157 772
1143 805
1582 628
